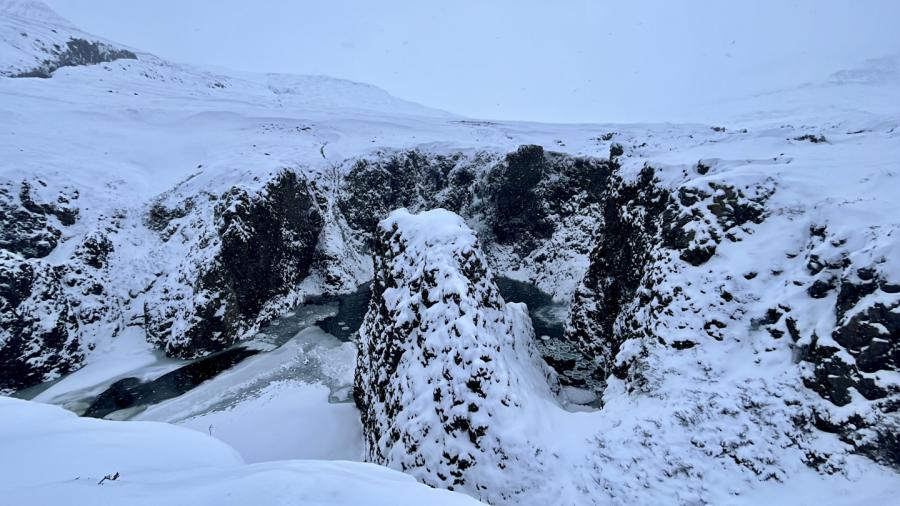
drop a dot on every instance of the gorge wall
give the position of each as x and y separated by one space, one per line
638 253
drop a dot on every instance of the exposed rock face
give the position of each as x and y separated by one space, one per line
638 300
44 308
410 179
444 365
534 191
536 211
647 230
239 253
49 314
76 53
520 215
30 216
262 245
665 321
853 361
38 330
633 219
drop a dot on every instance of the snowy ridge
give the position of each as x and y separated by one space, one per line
35 41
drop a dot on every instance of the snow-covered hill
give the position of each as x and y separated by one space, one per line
733 285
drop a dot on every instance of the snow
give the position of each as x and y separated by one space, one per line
61 458
133 132
462 400
434 228
277 405
289 420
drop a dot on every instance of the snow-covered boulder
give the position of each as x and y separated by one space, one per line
447 376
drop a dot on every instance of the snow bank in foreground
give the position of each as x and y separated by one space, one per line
50 456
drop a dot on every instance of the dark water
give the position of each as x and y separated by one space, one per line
548 320
130 392
340 316
351 309
546 315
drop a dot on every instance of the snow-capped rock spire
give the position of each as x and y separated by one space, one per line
446 368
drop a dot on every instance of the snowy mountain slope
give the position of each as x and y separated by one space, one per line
35 42
752 340
61 457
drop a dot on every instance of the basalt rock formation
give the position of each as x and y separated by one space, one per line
249 247
635 253
444 364
647 231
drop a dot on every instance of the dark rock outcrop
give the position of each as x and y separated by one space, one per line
31 217
632 221
77 52
535 210
38 325
264 245
45 307
411 179
851 368
50 314
529 195
646 229
520 215
520 196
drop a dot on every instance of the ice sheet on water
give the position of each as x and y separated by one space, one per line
311 357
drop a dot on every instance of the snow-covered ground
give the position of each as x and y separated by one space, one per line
275 405
292 401
127 131
51 457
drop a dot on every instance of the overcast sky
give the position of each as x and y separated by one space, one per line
553 60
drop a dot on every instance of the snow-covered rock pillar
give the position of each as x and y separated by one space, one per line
448 377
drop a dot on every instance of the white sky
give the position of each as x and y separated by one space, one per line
562 60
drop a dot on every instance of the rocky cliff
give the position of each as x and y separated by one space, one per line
217 262
644 246
247 249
